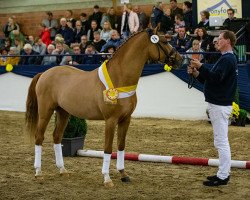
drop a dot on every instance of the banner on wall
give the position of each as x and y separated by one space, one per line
219 7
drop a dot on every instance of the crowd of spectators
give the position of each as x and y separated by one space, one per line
64 41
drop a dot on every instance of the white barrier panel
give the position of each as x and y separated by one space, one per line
161 96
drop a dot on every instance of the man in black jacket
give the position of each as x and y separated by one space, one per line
29 58
219 88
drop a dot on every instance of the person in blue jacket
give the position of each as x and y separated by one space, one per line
220 84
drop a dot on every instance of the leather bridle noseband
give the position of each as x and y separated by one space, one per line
170 57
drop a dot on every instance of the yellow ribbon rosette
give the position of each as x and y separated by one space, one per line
9 67
167 67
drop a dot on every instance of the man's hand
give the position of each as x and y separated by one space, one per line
193 71
194 63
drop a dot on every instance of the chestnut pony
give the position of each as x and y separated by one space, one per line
107 93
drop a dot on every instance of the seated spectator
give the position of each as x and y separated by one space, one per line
156 15
78 32
7 43
60 58
98 42
175 10
96 16
115 40
106 31
203 38
51 24
16 34
195 48
110 50
19 45
30 40
143 19
188 15
45 35
13 60
49 60
181 42
231 17
178 22
3 58
39 46
215 55
65 31
130 21
166 22
84 43
85 23
10 26
91 56
93 28
31 59
77 58
204 21
69 18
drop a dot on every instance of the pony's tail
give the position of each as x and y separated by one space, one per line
31 115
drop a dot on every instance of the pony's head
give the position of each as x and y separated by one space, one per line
162 51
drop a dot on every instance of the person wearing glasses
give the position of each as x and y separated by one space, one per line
231 17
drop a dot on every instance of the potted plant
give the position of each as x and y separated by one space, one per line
74 136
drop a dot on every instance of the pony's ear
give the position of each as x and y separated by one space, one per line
155 30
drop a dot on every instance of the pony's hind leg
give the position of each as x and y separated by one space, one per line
61 122
43 121
122 132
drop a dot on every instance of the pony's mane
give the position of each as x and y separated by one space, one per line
131 36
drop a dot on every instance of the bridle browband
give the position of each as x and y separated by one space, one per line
170 57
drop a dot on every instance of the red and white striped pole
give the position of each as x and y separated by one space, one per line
166 159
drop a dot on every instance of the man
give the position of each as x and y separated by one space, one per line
51 24
182 41
175 9
97 16
156 14
230 14
219 88
49 59
77 58
29 58
143 20
115 41
65 31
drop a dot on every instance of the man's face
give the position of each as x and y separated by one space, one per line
83 39
93 25
63 22
222 42
173 5
59 47
77 50
230 14
50 49
182 32
28 51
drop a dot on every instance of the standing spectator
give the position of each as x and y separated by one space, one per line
111 17
85 23
65 31
220 85
10 26
106 31
143 19
204 20
94 27
231 17
31 57
130 21
30 40
181 42
45 35
97 16
48 59
188 15
78 32
51 24
69 18
156 14
166 23
175 10
98 42
15 59
115 41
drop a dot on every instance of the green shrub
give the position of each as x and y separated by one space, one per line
76 127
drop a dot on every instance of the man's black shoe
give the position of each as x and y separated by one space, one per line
215 181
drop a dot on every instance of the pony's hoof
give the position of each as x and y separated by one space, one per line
125 179
64 172
39 177
109 184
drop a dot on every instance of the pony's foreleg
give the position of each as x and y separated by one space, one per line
122 132
109 136
38 161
